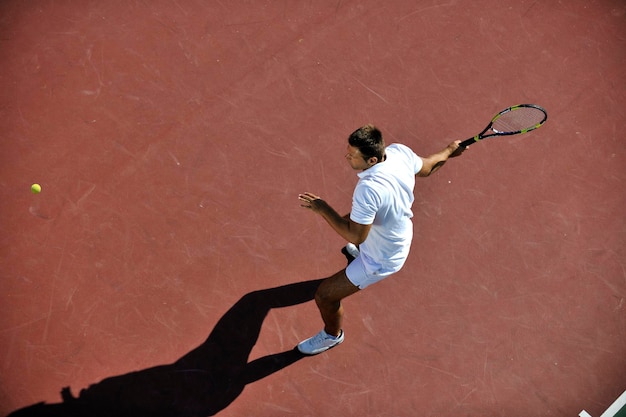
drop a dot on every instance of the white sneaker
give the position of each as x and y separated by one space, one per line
319 343
352 249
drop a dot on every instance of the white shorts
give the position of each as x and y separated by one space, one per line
362 277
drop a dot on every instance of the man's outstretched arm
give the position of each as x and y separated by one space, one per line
346 228
435 161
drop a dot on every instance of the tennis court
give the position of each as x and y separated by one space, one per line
166 267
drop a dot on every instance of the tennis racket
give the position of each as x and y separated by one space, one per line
512 121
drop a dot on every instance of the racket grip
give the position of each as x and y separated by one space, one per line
468 142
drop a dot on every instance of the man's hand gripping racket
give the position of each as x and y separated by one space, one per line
511 121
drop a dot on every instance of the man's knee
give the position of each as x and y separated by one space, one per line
334 289
325 295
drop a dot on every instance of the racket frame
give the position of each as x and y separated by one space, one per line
482 135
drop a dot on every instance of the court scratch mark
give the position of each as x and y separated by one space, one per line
185 12
98 90
529 9
85 194
280 408
24 324
423 9
71 296
439 370
323 175
337 6
333 379
370 90
48 315
282 154
8 357
462 402
174 158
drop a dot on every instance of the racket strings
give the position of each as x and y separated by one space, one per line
518 120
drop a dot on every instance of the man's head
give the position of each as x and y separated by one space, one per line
366 147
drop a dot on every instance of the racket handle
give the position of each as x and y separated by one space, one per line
468 142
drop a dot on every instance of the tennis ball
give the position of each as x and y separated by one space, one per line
35 188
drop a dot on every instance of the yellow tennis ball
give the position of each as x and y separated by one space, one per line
35 188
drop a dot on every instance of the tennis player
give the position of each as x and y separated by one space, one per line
379 223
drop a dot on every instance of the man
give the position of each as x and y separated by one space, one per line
379 223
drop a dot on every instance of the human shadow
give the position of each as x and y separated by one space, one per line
201 383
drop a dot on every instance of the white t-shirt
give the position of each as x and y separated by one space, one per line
383 198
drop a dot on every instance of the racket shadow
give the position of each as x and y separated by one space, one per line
201 383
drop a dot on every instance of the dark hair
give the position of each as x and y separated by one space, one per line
369 140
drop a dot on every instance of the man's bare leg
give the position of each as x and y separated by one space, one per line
328 299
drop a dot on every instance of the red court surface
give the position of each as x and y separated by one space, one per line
171 140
